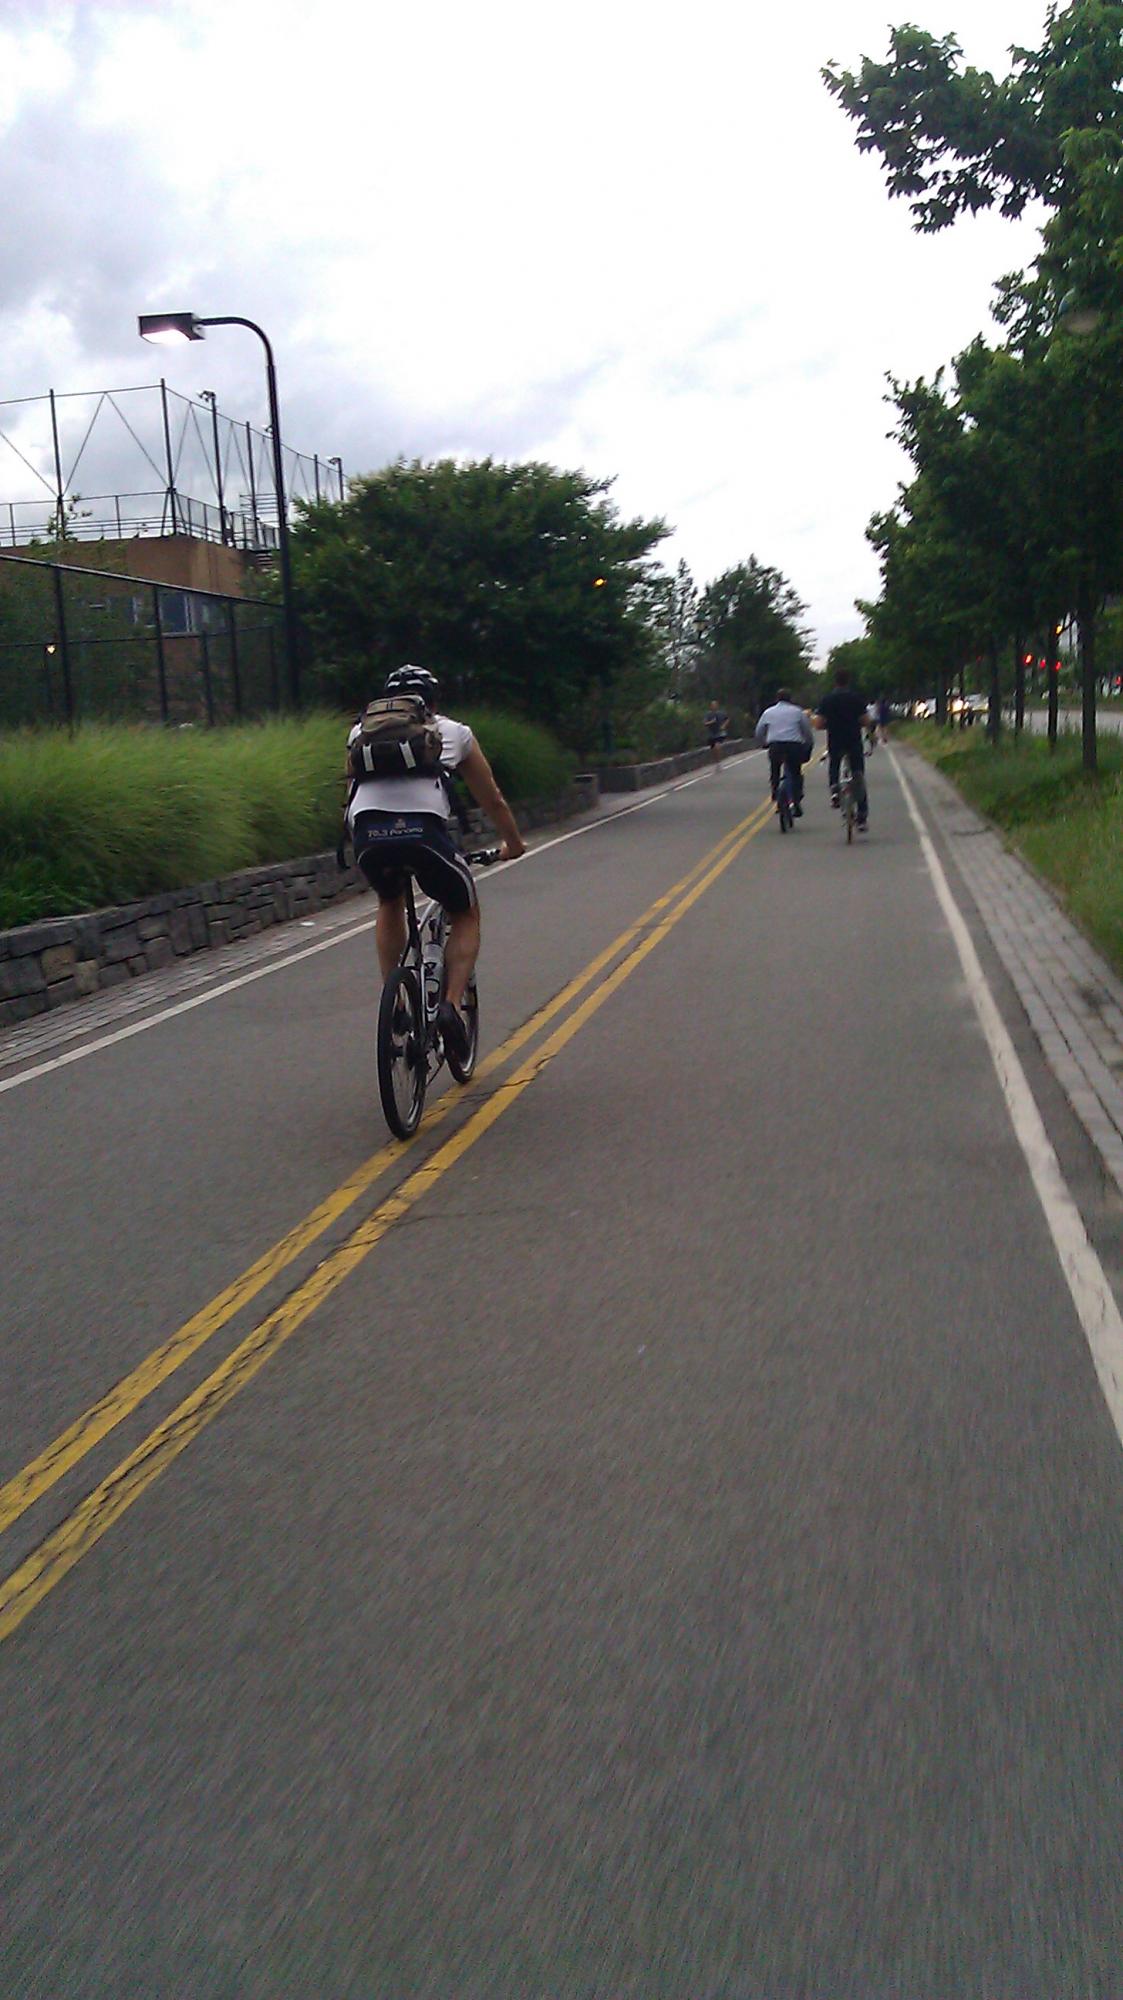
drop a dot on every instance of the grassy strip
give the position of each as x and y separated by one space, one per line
115 813
1068 826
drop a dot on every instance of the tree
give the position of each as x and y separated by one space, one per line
518 584
751 636
955 140
921 620
677 618
869 662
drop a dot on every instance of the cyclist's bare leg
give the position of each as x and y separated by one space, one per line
462 948
390 933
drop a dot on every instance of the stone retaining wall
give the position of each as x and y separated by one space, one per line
49 964
634 777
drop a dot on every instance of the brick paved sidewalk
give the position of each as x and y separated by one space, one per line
1073 1001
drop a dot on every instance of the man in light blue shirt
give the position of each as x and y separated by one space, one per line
785 730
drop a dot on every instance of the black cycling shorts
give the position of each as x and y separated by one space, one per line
389 846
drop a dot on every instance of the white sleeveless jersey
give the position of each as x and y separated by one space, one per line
417 794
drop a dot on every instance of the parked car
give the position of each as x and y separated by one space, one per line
967 708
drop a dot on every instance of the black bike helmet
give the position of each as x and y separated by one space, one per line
414 680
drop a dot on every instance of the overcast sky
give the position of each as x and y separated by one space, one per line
636 240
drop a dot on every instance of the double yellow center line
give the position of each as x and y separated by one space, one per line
38 1574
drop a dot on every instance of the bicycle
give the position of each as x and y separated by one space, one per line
851 796
410 1045
785 799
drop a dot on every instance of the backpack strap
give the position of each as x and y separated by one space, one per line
456 803
340 856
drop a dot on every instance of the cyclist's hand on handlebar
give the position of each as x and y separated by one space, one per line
509 851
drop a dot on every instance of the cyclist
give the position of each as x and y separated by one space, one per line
786 732
842 713
716 724
400 827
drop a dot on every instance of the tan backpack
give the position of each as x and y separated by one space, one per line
398 738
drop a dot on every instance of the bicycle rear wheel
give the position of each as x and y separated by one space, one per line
470 1010
401 1053
784 808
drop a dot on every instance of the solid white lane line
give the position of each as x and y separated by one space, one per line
125 1034
181 1007
1091 1293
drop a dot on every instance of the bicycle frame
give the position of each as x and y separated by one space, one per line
413 957
851 794
410 1044
434 925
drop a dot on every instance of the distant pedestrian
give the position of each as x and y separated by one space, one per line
716 725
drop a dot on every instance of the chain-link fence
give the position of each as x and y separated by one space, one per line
83 645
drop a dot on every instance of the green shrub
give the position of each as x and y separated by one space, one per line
665 728
527 761
114 813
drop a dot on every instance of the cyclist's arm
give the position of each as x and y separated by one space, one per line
480 780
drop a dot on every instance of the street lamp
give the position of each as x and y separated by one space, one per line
170 330
338 464
1075 316
208 396
608 744
1079 318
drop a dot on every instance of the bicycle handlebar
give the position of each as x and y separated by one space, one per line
485 857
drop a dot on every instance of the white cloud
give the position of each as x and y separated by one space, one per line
643 243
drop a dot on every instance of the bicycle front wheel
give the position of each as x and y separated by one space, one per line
470 1010
401 1053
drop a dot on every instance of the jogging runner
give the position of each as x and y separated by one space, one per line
716 726
399 826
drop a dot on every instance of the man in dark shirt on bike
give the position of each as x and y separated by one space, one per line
842 713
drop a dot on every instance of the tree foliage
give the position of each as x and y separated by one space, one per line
954 140
519 585
751 636
1014 516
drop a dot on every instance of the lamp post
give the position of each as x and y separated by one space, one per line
208 396
1075 316
169 330
1078 318
608 742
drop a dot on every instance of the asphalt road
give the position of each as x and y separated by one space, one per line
672 1549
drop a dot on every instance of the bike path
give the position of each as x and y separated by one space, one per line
681 1561
156 1171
